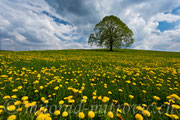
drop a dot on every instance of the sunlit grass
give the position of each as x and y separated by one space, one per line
119 80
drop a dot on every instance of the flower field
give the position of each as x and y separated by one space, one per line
89 84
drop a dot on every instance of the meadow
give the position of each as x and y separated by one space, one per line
89 84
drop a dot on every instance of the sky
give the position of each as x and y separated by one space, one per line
66 24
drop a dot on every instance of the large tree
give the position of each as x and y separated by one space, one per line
111 32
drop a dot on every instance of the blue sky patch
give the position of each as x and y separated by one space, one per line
59 37
176 11
57 20
163 25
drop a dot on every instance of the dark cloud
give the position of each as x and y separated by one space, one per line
79 12
76 7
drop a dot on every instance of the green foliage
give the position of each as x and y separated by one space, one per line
111 32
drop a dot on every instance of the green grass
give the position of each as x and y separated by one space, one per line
156 72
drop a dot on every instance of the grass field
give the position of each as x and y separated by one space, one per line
68 84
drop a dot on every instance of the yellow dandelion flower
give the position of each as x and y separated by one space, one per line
25 98
1 111
131 96
173 116
65 114
156 97
176 106
109 92
139 108
81 115
46 101
11 108
83 100
43 98
1 106
61 102
139 117
14 96
57 112
110 114
41 87
146 113
12 117
91 114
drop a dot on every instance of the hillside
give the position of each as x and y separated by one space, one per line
133 84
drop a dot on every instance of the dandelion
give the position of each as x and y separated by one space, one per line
65 114
25 98
1 111
19 87
176 106
119 116
91 114
156 97
81 115
56 88
11 108
110 114
57 112
83 100
43 98
139 108
126 104
41 116
84 97
36 91
14 96
139 117
14 90
99 98
19 109
146 113
4 76
119 110
94 97
6 97
166 103
1 106
71 101
120 90
46 101
144 105
144 91
173 116
61 102
17 103
12 117
41 87
109 92
105 99
131 96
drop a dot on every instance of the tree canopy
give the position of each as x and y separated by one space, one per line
111 32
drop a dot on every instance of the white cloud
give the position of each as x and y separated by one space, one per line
23 26
166 17
147 36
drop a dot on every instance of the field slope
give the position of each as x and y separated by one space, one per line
123 84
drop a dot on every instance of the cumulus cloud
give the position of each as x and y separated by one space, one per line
66 24
24 26
142 16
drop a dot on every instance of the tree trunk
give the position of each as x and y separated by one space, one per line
111 47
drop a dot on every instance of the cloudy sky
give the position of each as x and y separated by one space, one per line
66 24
